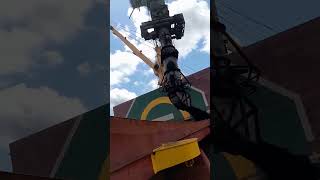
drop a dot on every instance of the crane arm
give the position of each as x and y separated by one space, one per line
135 51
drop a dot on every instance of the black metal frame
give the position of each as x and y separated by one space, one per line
235 83
165 28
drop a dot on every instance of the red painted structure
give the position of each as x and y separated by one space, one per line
290 59
13 176
73 149
36 154
132 142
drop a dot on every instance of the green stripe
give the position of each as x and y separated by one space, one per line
279 121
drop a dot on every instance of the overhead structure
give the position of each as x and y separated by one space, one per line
233 84
156 67
163 28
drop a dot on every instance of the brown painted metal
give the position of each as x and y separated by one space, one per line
13 176
37 153
201 80
291 59
316 146
122 109
142 170
132 142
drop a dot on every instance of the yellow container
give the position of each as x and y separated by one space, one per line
173 153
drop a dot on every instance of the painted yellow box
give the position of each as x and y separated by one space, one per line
174 153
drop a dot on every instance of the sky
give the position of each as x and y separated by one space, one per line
129 75
53 65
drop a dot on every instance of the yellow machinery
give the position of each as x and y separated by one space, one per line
157 66
174 153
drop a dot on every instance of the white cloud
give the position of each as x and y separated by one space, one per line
118 96
136 83
15 50
31 26
122 65
138 17
153 84
4 83
146 47
197 24
149 72
26 110
84 68
197 28
52 58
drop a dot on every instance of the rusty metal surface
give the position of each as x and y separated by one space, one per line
132 141
13 176
292 59
37 153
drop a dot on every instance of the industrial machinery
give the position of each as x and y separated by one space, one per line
232 82
162 29
229 79
233 120
157 67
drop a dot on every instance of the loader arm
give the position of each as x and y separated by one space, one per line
157 67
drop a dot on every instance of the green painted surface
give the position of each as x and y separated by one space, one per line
160 110
279 121
88 148
197 100
142 101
